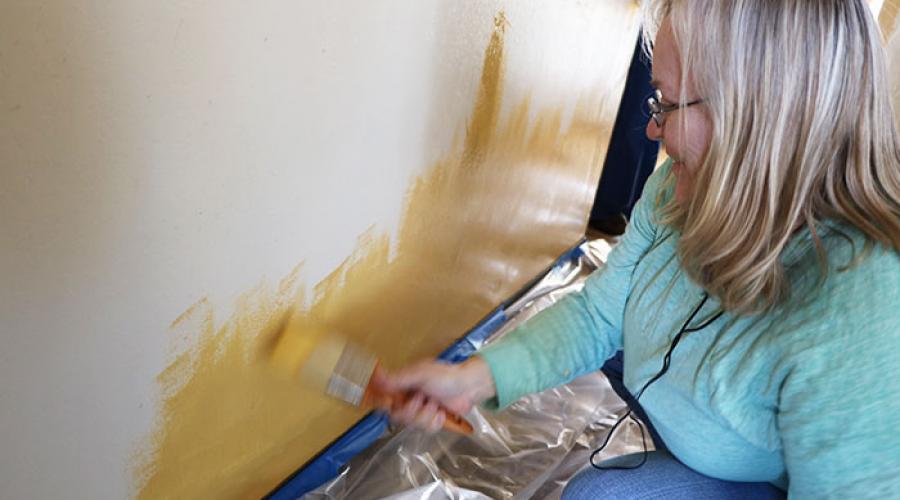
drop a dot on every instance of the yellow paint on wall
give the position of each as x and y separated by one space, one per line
477 226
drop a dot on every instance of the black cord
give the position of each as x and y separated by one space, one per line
667 361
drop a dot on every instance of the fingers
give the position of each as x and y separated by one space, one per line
437 422
407 413
430 418
423 393
422 413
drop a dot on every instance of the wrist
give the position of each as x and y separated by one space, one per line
480 377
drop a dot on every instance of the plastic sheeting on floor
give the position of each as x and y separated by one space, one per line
529 450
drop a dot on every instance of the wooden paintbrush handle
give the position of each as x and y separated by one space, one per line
381 399
453 421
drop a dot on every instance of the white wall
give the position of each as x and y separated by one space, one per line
153 153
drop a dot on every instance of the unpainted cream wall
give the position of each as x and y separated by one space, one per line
156 153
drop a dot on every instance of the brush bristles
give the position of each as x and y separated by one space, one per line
323 359
351 375
339 368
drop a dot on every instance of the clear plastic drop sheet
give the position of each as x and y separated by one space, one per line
529 450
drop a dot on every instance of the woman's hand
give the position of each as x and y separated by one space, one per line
433 385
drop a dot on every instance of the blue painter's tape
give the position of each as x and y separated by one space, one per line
465 347
572 255
328 464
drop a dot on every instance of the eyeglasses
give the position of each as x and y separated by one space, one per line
658 110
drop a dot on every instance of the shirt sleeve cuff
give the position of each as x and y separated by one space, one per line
505 360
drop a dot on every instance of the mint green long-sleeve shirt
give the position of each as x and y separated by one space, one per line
807 397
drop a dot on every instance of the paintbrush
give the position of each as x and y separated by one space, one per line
343 370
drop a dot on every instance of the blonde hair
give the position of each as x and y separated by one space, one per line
802 131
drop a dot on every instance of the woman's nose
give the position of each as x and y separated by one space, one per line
654 131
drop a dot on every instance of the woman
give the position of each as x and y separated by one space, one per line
765 250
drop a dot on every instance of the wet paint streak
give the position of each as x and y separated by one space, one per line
476 227
490 95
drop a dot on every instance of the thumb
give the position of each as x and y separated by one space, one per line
411 377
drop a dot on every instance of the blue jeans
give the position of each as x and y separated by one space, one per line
661 477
